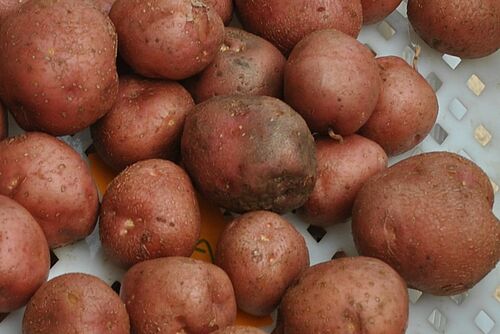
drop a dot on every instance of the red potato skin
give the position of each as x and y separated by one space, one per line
53 183
224 8
145 123
58 85
239 330
284 23
25 255
4 124
376 10
104 5
7 7
245 65
170 39
343 167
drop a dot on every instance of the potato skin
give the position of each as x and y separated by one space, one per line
224 8
145 123
149 210
64 77
4 124
178 295
275 171
171 39
52 182
463 28
376 10
7 7
104 5
262 254
347 295
75 303
430 218
284 23
245 65
25 255
406 110
343 167
239 330
332 80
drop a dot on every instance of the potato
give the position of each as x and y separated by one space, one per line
376 10
75 303
406 110
463 28
171 39
332 80
262 254
285 22
57 66
24 254
245 65
224 8
4 124
146 122
7 7
348 295
430 218
343 167
104 5
178 295
239 330
52 182
248 153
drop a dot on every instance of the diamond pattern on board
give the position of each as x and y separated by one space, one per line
457 109
414 295
459 299
437 320
434 81
476 85
452 61
497 294
316 232
484 322
482 135
439 134
386 30
495 190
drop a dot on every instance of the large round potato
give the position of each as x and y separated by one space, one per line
52 182
58 65
24 255
239 330
178 295
224 8
171 39
430 218
4 124
376 10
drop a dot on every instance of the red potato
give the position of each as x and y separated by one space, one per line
7 7
376 10
224 8
4 123
239 330
104 5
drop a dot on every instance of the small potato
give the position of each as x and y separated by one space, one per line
4 124
245 65
52 182
239 330
348 295
75 303
224 8
178 295
376 10
262 254
24 255
145 123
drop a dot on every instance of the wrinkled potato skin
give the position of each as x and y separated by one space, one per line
178 295
262 254
275 171
52 182
4 124
463 28
224 8
430 218
75 303
350 295
406 111
170 39
150 210
332 80
239 330
376 10
343 167
284 23
25 255
245 65
64 77
145 123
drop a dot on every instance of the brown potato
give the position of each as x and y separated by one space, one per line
343 167
58 66
262 254
239 330
430 218
4 124
171 39
178 295
75 303
332 80
24 255
284 23
52 182
406 110
463 28
245 65
376 10
248 153
348 295
224 8
145 123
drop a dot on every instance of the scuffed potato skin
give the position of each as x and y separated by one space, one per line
4 124
376 10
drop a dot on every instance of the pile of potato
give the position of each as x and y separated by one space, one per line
293 114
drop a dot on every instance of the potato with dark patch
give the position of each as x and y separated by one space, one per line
75 303
262 254
4 123
248 153
430 218
239 330
178 295
376 10
245 65
224 8
349 295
